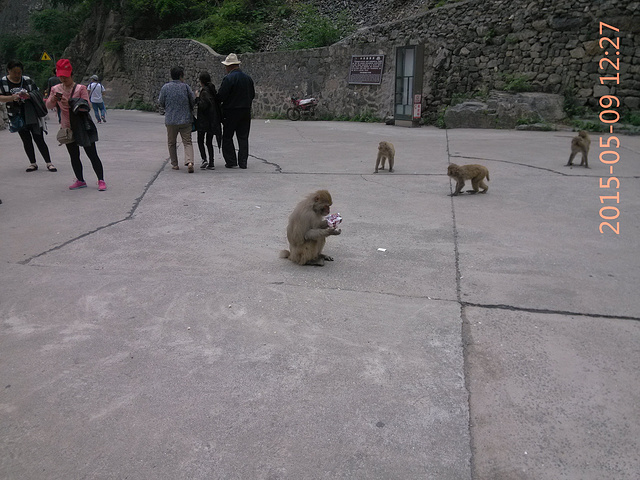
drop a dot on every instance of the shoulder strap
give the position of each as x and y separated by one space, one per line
189 96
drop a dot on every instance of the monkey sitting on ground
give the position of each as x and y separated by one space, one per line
475 173
385 151
308 230
580 144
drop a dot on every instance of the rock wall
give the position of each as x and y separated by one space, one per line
469 46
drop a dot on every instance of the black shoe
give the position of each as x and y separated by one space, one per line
244 167
230 166
204 164
210 166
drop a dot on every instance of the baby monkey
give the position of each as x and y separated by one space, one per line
580 144
385 151
475 173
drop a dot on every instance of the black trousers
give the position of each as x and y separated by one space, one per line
76 164
26 135
205 138
236 122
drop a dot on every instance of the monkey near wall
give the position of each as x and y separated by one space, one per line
475 173
385 151
308 230
580 144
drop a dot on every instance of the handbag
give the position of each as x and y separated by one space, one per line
16 123
191 106
64 136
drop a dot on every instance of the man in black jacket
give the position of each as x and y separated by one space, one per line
235 95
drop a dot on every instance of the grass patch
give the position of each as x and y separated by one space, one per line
136 104
515 83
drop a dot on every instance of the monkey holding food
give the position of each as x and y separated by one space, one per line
475 173
308 230
580 144
385 152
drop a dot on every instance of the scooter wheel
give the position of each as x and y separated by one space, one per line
293 114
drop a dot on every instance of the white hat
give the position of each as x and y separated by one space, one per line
232 59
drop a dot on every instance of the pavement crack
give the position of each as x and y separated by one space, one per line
267 162
518 163
134 207
536 167
548 311
465 328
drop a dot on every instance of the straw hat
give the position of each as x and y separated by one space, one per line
232 59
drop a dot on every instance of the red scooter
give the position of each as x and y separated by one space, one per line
306 107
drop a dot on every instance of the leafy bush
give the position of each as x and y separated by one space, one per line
315 30
114 45
632 118
517 84
589 126
229 29
52 32
570 105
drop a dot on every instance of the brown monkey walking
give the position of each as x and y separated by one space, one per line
308 230
385 151
580 144
475 173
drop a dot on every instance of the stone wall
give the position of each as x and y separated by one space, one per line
469 46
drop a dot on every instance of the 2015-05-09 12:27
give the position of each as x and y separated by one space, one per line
610 117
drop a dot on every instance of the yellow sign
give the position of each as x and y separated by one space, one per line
45 56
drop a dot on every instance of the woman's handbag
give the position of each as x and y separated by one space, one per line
64 136
16 123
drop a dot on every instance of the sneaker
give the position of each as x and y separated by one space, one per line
77 184
175 167
190 167
99 121
210 166
104 120
204 163
101 185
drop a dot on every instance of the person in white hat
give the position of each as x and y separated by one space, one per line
235 95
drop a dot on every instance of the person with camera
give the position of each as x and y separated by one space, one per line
76 127
17 91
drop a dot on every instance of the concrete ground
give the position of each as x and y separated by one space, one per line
152 332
